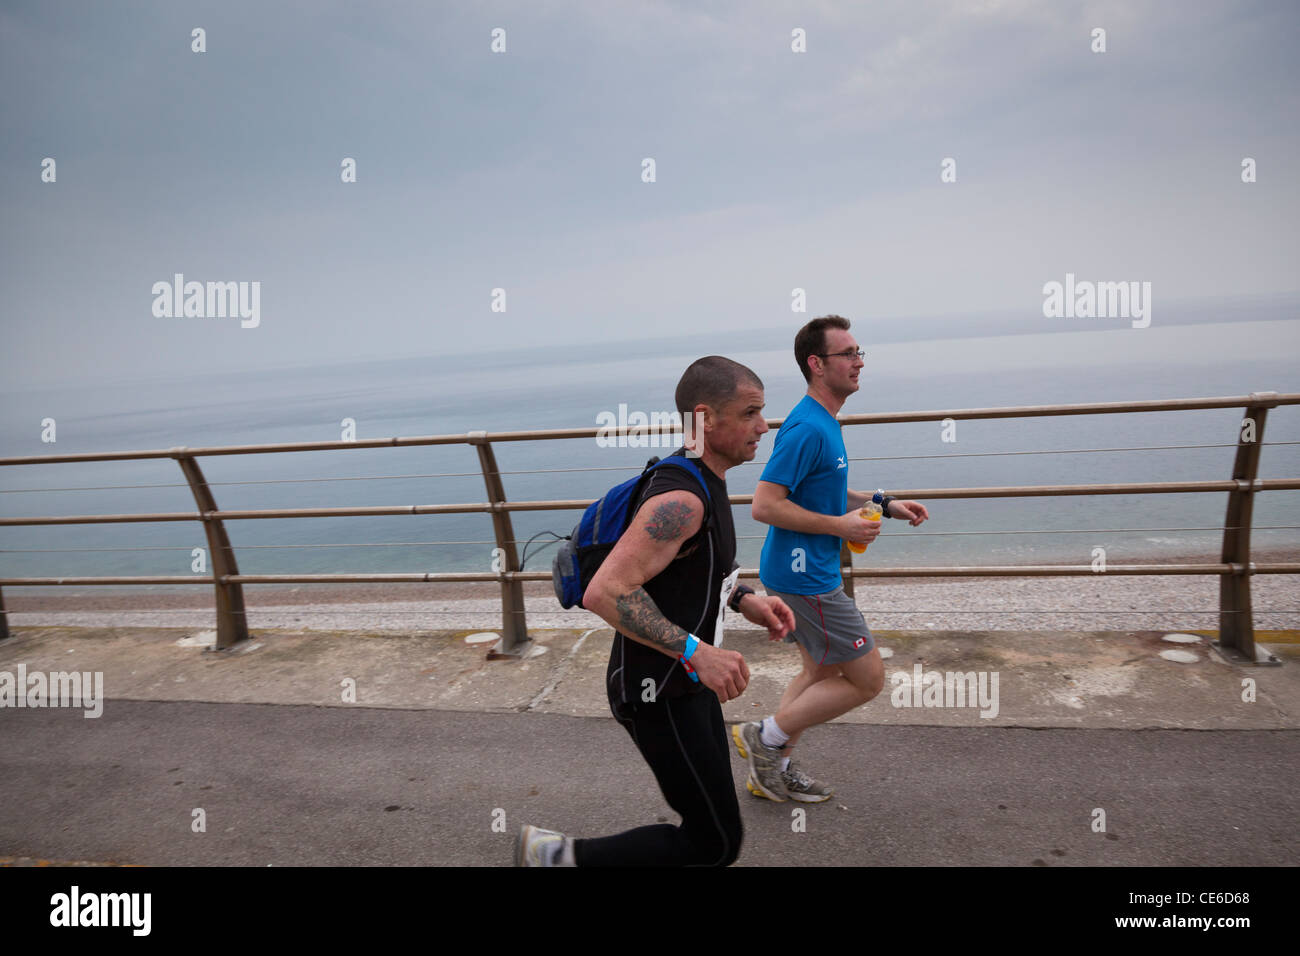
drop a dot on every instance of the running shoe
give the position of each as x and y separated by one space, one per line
798 784
764 761
537 847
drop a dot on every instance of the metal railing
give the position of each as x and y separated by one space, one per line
1236 629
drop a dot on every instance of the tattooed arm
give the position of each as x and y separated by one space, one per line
651 541
617 594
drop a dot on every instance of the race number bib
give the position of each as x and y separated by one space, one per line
728 586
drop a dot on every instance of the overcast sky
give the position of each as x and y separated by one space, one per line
522 170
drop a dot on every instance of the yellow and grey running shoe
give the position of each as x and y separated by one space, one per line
753 788
764 761
537 847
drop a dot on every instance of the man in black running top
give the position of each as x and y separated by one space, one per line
660 588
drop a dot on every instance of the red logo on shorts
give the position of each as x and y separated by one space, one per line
859 642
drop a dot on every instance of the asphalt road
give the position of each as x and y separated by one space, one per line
293 784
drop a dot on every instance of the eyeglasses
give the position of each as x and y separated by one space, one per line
849 354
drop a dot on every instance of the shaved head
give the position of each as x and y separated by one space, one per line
712 381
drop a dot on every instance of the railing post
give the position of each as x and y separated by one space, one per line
846 567
4 617
232 624
514 627
1236 624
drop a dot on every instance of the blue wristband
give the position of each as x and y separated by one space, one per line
685 657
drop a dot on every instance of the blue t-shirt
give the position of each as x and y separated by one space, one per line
808 457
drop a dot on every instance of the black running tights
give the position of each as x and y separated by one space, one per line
684 740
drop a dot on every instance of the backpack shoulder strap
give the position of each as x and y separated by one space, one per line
685 464
676 461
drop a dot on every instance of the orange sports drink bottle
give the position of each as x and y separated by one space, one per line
871 512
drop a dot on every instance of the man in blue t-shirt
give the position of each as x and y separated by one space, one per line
804 496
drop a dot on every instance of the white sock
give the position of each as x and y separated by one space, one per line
785 764
771 733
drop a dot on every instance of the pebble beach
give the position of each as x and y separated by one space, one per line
1092 603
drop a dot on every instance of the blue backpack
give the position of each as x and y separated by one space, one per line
603 523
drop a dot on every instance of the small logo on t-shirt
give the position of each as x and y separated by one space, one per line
840 463
860 642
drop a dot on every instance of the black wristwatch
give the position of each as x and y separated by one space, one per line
738 595
884 506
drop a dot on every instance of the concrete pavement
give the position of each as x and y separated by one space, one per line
444 753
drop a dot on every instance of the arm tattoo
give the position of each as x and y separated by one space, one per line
668 521
639 617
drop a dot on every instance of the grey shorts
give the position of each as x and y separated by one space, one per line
828 626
